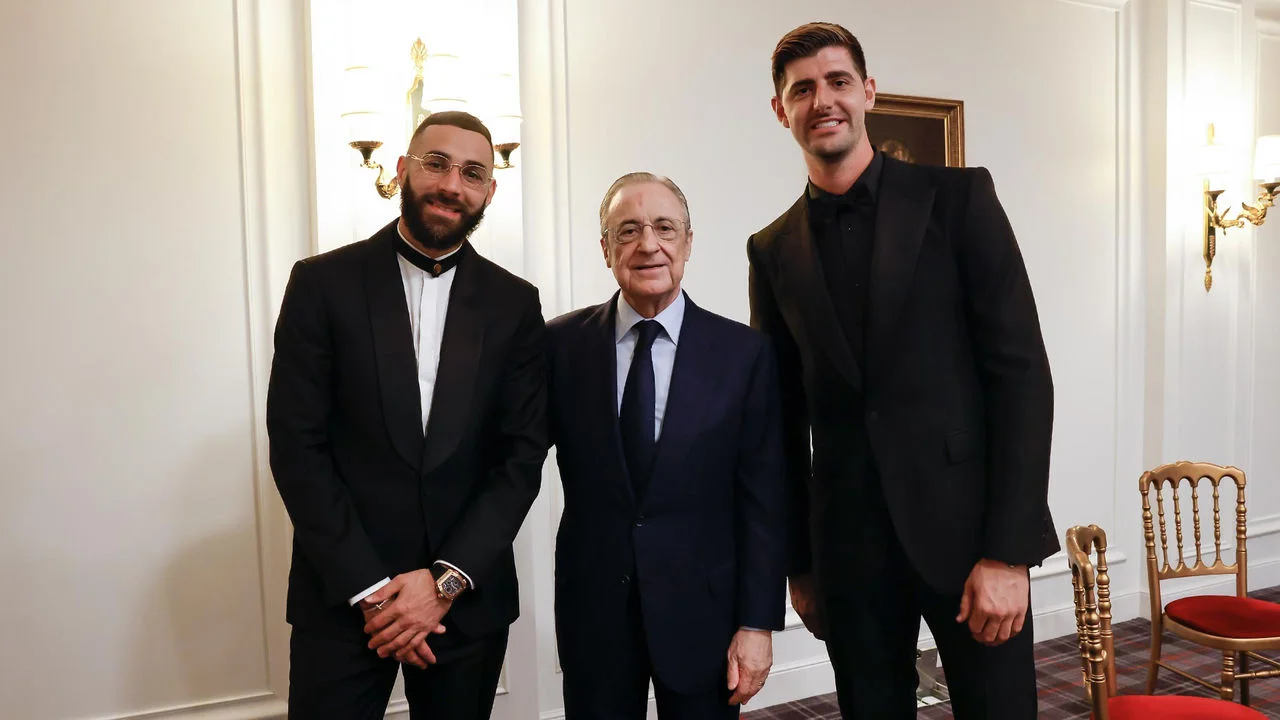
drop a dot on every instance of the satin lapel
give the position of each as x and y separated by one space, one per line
460 350
599 371
902 216
694 377
393 347
801 277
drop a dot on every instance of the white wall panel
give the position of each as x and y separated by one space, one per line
129 535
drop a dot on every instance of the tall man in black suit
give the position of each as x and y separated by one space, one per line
407 417
910 348
670 559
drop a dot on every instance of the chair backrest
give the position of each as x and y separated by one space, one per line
1092 588
1181 479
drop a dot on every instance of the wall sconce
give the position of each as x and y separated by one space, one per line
440 82
1266 169
505 124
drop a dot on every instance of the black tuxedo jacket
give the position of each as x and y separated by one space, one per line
370 496
954 406
705 545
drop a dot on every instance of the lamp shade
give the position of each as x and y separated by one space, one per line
362 99
445 83
1266 158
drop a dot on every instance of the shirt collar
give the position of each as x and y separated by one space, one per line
671 318
415 247
868 182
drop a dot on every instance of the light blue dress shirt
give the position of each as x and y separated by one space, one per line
664 351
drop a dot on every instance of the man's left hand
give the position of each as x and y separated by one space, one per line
414 613
750 657
995 601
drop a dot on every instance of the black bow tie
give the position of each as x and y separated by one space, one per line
433 267
825 208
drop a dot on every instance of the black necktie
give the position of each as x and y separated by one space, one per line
637 417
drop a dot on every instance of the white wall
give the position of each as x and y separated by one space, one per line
169 161
138 572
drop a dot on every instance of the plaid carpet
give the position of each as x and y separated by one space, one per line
1060 684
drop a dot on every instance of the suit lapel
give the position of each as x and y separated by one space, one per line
801 276
600 373
903 209
460 349
694 377
393 347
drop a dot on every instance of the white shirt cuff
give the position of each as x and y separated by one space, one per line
470 585
372 589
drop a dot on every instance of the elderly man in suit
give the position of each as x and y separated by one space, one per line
910 355
670 557
407 417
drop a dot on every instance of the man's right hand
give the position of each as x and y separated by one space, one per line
804 599
417 653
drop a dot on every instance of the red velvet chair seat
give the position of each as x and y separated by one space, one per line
1227 615
1174 707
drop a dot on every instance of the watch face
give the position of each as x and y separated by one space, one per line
451 585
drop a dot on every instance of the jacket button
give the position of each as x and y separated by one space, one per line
873 416
626 579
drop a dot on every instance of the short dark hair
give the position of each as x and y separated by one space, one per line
806 40
456 118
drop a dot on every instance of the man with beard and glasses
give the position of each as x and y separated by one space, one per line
917 402
407 419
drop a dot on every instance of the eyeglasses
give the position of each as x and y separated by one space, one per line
628 232
437 164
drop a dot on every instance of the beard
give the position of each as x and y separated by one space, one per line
435 238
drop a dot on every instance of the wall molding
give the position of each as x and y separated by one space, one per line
1100 4
1232 5
271 50
260 314
256 706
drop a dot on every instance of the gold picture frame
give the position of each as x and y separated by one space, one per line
928 131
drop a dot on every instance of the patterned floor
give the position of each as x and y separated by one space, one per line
1058 668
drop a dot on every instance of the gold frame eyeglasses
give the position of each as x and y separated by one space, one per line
472 174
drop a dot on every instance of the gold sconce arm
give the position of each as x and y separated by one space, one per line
386 183
1215 220
504 152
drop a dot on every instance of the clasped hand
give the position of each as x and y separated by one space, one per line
411 612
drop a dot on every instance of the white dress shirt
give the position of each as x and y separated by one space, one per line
663 351
428 301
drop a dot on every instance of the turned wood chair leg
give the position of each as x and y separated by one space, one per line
1153 670
1228 675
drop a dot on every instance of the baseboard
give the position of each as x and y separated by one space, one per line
787 682
259 706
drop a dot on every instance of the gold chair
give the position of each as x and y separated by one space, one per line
1236 625
1097 646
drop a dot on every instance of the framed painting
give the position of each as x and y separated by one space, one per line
928 131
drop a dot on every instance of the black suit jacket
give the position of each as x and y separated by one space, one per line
955 404
706 543
369 496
